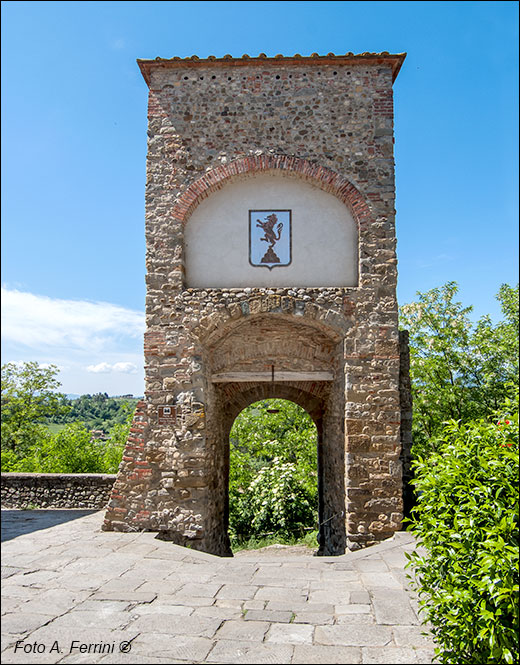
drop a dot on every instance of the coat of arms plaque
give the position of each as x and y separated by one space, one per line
269 238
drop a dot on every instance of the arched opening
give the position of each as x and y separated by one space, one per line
277 356
320 400
273 475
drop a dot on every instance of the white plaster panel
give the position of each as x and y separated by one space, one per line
324 236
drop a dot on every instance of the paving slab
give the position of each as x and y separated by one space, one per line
372 565
7 571
385 580
288 594
71 583
222 613
198 590
180 647
291 633
412 636
351 619
227 651
300 606
359 597
232 603
389 655
256 605
314 618
353 635
24 622
392 607
269 615
237 591
19 522
161 609
310 655
91 619
356 608
250 631
173 624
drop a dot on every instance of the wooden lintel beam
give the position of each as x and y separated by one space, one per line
243 377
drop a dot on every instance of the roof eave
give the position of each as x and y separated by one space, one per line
395 60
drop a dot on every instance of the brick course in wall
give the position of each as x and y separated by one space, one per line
327 121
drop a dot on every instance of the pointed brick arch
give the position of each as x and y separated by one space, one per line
319 176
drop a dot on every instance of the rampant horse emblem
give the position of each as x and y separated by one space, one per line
275 229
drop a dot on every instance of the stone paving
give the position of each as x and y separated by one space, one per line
74 594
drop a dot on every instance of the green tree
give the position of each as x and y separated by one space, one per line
495 352
459 370
69 451
29 398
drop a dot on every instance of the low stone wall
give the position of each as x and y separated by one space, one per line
56 490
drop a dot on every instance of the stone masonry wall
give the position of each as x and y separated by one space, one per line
56 490
328 122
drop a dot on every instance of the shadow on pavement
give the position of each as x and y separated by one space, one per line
20 522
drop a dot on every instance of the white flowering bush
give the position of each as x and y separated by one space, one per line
280 500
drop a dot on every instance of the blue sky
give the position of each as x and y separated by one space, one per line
74 149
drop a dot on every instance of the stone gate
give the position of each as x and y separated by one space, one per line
271 272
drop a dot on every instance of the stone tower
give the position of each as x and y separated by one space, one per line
271 272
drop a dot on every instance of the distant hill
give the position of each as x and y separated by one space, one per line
97 411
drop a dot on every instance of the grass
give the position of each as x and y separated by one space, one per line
257 542
55 428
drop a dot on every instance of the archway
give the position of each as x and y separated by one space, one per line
273 475
323 399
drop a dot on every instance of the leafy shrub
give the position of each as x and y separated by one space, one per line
114 446
467 521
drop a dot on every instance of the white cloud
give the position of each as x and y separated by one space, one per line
107 368
39 321
97 346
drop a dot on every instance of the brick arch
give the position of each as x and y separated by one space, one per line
309 396
319 176
218 324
